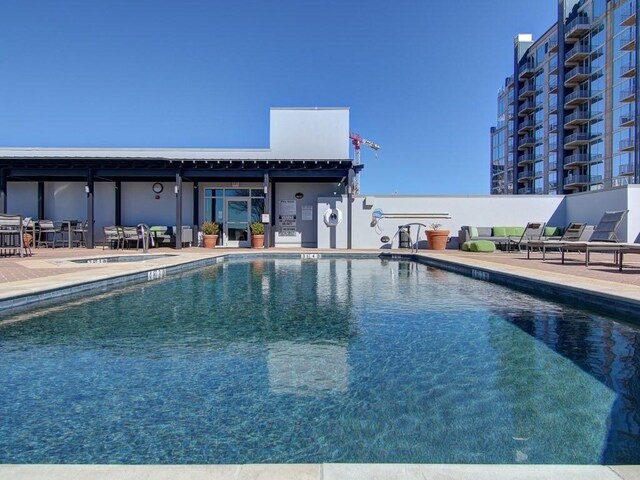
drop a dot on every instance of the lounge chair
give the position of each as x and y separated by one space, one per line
573 233
604 237
11 234
47 233
130 235
532 232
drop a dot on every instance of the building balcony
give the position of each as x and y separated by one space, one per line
528 124
576 119
525 159
528 90
628 41
553 67
576 139
577 160
595 179
627 120
527 70
525 191
627 71
553 86
553 127
576 28
553 107
627 145
576 75
553 147
627 96
526 142
626 169
553 184
526 108
628 19
577 97
526 174
553 45
553 165
576 54
576 180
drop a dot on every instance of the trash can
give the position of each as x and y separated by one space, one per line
404 236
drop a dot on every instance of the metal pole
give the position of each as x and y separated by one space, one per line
118 203
350 193
267 210
90 210
3 191
178 192
40 200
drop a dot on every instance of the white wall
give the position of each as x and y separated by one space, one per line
140 205
303 133
477 210
333 237
633 218
588 207
22 199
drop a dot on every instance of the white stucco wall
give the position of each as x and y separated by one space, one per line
140 205
333 237
633 218
321 133
589 207
476 210
22 198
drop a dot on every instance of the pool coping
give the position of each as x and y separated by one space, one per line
320 471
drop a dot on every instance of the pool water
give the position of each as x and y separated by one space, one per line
331 360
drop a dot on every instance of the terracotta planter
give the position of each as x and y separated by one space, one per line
437 239
209 241
257 241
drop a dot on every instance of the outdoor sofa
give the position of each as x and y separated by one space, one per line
164 236
503 237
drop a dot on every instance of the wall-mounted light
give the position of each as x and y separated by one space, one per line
176 189
266 189
87 189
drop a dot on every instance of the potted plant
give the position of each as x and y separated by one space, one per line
437 238
210 232
257 235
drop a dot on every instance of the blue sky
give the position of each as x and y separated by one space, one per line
420 77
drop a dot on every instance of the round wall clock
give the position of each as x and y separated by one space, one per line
157 188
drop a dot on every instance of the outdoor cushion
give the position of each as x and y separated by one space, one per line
552 232
473 231
499 231
482 246
514 231
466 246
483 232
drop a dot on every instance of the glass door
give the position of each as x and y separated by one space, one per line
236 228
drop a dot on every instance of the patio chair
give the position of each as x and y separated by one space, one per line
112 236
572 233
604 237
80 233
47 233
533 231
130 235
11 234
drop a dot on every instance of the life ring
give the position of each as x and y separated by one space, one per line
332 217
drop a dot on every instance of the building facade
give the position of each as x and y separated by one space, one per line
567 116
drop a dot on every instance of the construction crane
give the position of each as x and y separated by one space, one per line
357 140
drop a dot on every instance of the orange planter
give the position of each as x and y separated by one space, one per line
437 239
257 241
209 241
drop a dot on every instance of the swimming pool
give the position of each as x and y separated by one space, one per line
123 258
322 360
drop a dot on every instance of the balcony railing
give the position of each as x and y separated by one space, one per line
528 124
553 165
553 127
524 159
553 184
627 96
578 138
553 45
627 71
527 90
576 180
577 53
553 147
553 107
525 174
527 70
553 85
626 169
577 118
526 142
572 161
627 144
576 27
524 191
628 19
576 98
527 107
627 120
576 75
628 41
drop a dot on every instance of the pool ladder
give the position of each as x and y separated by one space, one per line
406 230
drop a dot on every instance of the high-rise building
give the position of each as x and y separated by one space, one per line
568 115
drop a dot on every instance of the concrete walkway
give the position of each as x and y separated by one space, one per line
53 269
